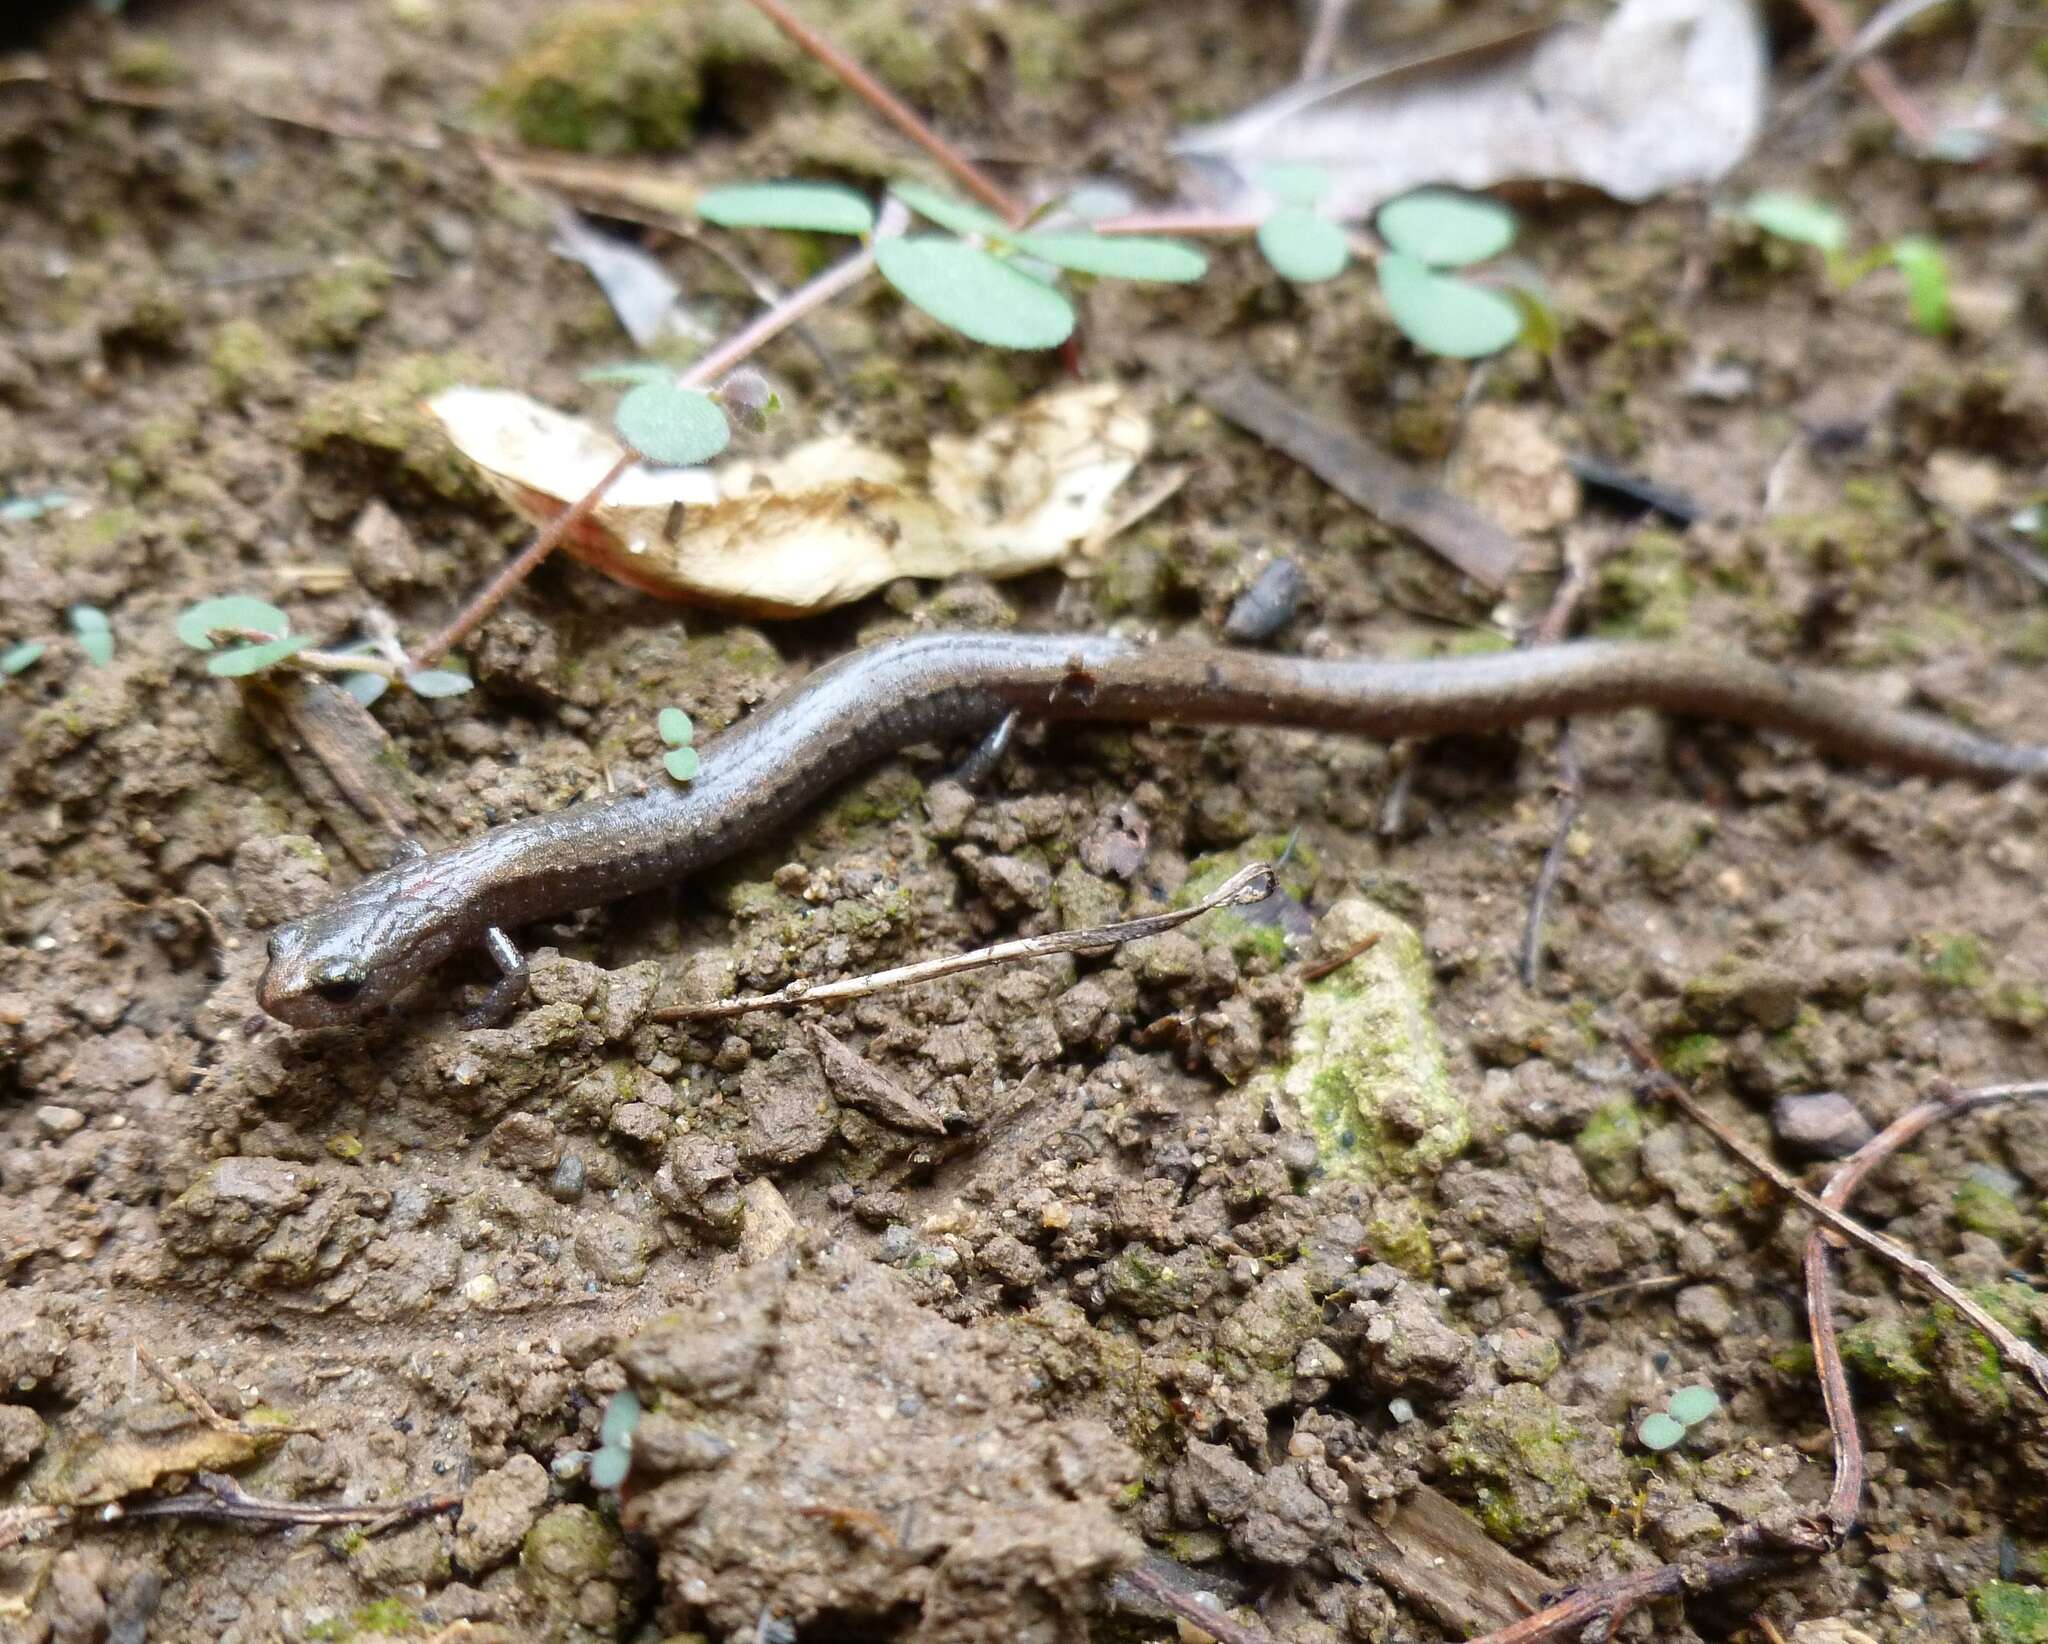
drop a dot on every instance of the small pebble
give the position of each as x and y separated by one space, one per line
567 1182
1264 608
898 1244
58 1122
1823 1126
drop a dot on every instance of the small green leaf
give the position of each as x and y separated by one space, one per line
1446 230
253 659
675 727
1444 315
95 637
1119 257
438 682
1794 217
231 613
1303 247
1300 185
977 294
21 657
821 208
621 1416
633 371
682 763
950 212
365 688
670 426
1920 260
1542 330
609 1467
1660 1432
1690 1406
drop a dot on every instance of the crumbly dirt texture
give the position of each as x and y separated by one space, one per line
1027 1274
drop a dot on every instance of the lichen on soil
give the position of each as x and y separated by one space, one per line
1206 1258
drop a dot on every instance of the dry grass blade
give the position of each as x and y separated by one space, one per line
1251 884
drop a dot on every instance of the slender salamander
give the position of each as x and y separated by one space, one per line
357 953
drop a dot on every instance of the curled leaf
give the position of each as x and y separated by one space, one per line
253 659
1794 217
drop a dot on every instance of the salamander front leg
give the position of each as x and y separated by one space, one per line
510 987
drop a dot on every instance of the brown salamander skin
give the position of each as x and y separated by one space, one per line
356 954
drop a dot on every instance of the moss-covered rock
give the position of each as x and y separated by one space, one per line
1530 1467
1986 1202
1610 1144
2010 1613
1644 592
575 1564
1365 1074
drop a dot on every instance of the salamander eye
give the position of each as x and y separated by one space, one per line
337 983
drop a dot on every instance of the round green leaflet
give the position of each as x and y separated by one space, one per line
675 727
609 1466
20 657
672 427
821 208
95 636
621 1416
682 763
1445 230
1444 315
1303 247
231 613
253 659
365 688
948 212
434 682
978 295
1794 217
1660 1432
1692 1405
1118 257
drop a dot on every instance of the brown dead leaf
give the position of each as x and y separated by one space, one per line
132 1449
829 522
1664 93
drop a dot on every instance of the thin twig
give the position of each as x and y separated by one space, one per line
1191 1609
1839 30
1323 967
222 1499
840 277
1922 1273
1251 884
893 109
1656 1281
195 1401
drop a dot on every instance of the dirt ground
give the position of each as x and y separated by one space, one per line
907 1385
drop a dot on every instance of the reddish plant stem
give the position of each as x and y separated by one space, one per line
893 109
841 276
1877 79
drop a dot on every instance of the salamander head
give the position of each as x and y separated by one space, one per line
348 960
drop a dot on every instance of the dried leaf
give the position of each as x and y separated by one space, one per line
131 1449
828 522
633 281
1664 93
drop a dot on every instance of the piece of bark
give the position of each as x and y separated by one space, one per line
1435 1556
1383 486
